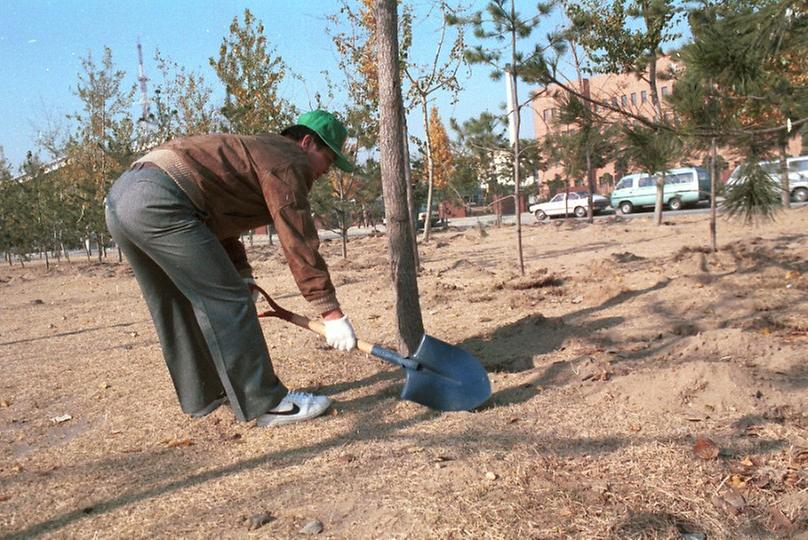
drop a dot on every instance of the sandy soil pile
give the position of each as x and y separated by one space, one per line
643 388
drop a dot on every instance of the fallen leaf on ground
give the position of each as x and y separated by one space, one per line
705 448
737 481
779 521
174 443
731 502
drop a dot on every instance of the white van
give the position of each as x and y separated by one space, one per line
686 185
797 176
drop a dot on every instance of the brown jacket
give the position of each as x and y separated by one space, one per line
241 182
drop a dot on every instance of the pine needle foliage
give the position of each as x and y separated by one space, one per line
755 197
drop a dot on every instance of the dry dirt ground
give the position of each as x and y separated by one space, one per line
642 388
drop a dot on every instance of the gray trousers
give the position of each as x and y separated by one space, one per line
204 315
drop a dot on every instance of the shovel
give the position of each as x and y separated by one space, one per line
439 376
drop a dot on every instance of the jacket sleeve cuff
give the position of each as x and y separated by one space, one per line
324 303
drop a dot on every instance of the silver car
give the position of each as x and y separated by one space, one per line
574 203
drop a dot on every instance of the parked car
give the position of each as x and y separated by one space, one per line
435 220
683 186
797 176
573 203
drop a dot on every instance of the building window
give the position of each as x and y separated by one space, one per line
546 114
644 96
623 100
634 98
665 91
614 101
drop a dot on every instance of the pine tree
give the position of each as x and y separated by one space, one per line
502 30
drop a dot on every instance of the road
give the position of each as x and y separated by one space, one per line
529 219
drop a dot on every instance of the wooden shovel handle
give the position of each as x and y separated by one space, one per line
299 320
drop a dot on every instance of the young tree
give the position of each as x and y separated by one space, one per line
626 36
182 104
39 207
426 80
101 146
438 165
707 115
501 24
252 72
463 185
588 146
358 50
7 209
340 200
763 70
483 139
399 225
350 196
653 150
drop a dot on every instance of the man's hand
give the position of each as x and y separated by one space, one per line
251 281
339 333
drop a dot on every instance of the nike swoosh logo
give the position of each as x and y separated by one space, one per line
291 412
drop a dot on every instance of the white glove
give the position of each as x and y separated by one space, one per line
340 334
250 281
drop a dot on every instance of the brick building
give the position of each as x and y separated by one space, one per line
628 93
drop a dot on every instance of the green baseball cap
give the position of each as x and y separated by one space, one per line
331 131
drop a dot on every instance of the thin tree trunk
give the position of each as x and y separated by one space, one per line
344 237
786 193
652 83
410 196
430 170
713 182
55 247
590 213
566 201
399 228
517 123
660 191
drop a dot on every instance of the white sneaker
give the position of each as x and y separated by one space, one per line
295 407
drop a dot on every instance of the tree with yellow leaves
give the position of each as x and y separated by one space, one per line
439 165
427 79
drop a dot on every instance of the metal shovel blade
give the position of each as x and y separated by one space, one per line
438 375
447 378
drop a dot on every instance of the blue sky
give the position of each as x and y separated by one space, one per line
43 41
